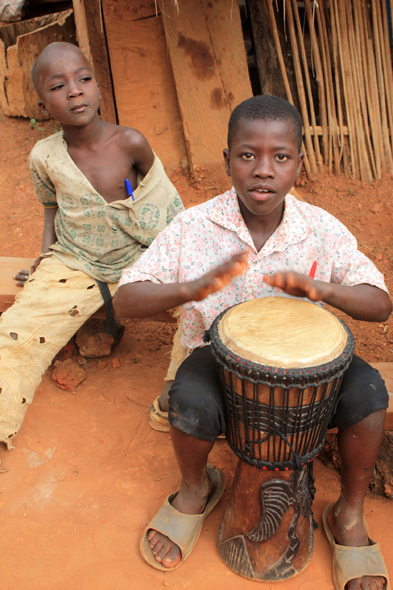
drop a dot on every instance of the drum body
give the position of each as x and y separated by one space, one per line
277 419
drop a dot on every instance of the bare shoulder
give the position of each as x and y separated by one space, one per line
129 138
135 145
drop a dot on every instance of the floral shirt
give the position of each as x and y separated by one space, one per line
207 235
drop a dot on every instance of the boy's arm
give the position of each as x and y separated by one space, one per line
361 302
48 238
146 299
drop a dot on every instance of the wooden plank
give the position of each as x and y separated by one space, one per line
91 40
20 45
135 10
209 63
143 81
8 288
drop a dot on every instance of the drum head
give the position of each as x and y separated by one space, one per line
282 332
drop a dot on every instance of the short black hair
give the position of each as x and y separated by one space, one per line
265 107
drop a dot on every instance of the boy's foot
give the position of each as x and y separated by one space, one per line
349 529
187 501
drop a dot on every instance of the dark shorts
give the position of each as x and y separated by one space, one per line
196 404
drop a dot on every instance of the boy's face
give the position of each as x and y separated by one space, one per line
68 89
263 163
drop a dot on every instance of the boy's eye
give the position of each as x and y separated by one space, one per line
248 156
86 78
281 158
57 87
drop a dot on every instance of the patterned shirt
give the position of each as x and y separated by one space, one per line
95 236
207 235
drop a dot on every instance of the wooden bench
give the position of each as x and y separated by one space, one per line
8 290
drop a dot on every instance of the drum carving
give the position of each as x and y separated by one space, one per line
277 416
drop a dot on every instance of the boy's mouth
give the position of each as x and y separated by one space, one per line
79 108
261 192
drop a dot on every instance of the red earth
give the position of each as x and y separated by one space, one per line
74 512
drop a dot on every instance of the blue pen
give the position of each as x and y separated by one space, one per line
129 189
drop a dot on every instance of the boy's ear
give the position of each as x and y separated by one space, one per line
227 163
300 163
43 108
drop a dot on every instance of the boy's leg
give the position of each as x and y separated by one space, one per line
358 445
52 306
196 415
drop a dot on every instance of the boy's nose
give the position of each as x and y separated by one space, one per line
75 91
263 168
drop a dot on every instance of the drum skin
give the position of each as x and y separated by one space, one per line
277 419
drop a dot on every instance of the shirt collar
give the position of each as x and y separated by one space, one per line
294 228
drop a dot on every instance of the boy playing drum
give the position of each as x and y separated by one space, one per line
257 241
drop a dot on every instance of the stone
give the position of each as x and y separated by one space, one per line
92 339
68 374
116 363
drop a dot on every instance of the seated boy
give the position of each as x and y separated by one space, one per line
200 263
95 225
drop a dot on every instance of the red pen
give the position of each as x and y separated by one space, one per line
313 270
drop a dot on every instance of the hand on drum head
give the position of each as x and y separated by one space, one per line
297 285
218 278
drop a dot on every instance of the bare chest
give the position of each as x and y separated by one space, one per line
107 171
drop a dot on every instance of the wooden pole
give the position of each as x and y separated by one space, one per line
381 88
309 164
361 122
319 79
338 86
359 44
387 63
361 26
308 83
373 82
300 85
331 107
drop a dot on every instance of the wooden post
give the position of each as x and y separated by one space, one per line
209 64
91 39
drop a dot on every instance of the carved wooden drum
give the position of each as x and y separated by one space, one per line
281 361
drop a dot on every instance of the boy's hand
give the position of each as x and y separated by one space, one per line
23 275
217 278
298 285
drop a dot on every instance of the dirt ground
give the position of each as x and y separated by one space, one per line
72 515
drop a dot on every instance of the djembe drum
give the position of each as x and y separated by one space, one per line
281 362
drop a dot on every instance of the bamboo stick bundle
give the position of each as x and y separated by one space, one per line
309 156
381 88
339 92
331 107
374 83
299 79
359 43
308 83
360 112
320 81
362 40
343 50
387 63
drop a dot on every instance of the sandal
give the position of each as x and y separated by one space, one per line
354 562
181 529
158 419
